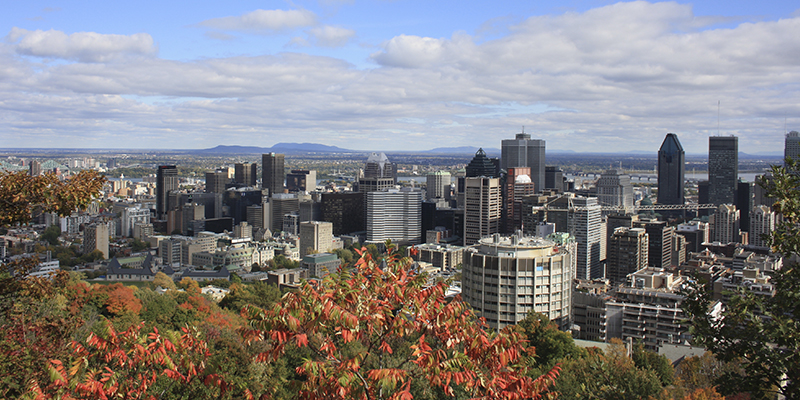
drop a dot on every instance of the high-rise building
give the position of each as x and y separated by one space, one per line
396 215
301 180
346 210
627 253
615 189
517 185
553 178
272 173
216 181
379 166
522 151
671 171
696 233
762 223
481 165
438 186
132 216
245 174
726 224
35 168
95 237
281 204
482 208
745 196
166 181
315 236
659 235
792 145
723 169
536 276
581 217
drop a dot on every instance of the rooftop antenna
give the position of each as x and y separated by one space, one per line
718 102
523 128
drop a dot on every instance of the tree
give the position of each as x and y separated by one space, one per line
761 333
551 344
129 365
379 334
51 234
21 193
163 280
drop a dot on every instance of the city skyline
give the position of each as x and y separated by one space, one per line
378 76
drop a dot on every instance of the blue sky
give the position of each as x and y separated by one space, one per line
398 75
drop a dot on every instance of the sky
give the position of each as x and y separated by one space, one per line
383 75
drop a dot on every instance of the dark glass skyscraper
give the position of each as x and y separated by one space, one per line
671 171
245 173
273 172
166 181
723 169
522 151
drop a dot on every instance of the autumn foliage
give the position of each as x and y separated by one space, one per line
381 334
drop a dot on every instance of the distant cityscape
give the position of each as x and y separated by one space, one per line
601 245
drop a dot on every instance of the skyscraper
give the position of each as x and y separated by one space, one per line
723 169
438 186
522 151
792 145
396 215
378 166
482 205
726 224
166 181
245 174
615 189
762 223
627 253
316 236
216 180
516 186
481 165
273 173
671 171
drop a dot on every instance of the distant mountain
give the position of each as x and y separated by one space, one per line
233 150
286 148
307 148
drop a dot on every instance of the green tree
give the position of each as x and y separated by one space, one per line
552 345
761 333
51 234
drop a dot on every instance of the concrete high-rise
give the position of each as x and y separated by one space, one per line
438 186
581 217
659 235
315 236
517 185
792 145
522 151
615 189
536 276
273 173
396 215
216 181
671 171
627 253
301 180
482 208
245 174
726 224
762 223
166 181
95 237
723 169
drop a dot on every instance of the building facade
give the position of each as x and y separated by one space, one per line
315 236
506 277
273 172
671 171
522 151
166 181
723 169
395 215
482 208
627 253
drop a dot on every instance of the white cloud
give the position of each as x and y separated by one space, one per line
263 21
614 78
331 36
80 46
